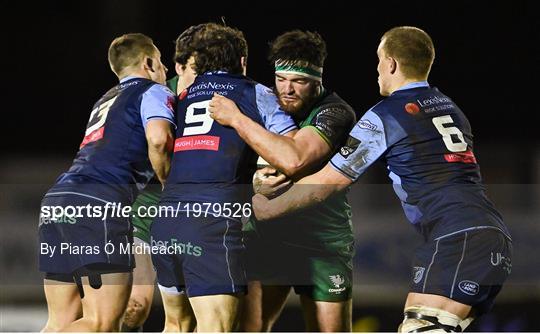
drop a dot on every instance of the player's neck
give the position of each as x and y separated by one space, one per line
402 81
134 74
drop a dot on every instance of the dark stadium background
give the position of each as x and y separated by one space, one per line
55 67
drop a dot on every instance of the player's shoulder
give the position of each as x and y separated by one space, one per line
159 89
333 99
333 104
265 97
263 91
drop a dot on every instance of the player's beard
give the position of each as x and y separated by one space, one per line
295 107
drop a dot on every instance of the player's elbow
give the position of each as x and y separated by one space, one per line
293 167
158 140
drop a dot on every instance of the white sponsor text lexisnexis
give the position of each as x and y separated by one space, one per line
212 85
433 100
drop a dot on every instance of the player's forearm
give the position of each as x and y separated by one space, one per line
310 190
160 160
279 151
160 142
299 197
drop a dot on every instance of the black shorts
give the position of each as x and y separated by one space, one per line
202 256
71 242
469 267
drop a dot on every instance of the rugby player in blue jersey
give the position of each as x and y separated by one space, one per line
200 240
178 314
426 141
127 138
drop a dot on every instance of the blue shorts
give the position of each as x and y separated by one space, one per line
203 256
78 239
468 267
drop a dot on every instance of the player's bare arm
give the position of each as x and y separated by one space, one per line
160 139
292 154
308 191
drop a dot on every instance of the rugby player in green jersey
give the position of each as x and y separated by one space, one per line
310 251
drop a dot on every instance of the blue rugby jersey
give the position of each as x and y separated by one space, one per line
211 161
112 162
427 143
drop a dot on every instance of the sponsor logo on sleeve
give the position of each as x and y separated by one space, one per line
366 124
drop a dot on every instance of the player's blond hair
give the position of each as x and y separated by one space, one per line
412 48
129 50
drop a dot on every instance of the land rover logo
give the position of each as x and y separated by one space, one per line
469 287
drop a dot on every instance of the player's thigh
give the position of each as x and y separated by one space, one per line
144 276
63 303
327 316
262 307
438 302
179 316
107 301
216 313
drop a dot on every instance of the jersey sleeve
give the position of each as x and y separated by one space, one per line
333 123
274 118
367 142
158 102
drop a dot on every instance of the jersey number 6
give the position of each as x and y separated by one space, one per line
447 132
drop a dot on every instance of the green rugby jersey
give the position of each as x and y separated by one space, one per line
327 226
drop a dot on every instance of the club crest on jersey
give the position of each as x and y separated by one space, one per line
418 273
412 108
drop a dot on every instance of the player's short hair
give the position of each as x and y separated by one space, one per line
129 50
298 45
184 44
412 48
215 48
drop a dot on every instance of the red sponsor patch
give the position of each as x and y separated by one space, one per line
412 108
93 136
182 94
466 157
210 143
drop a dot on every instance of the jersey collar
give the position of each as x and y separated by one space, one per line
129 77
411 85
